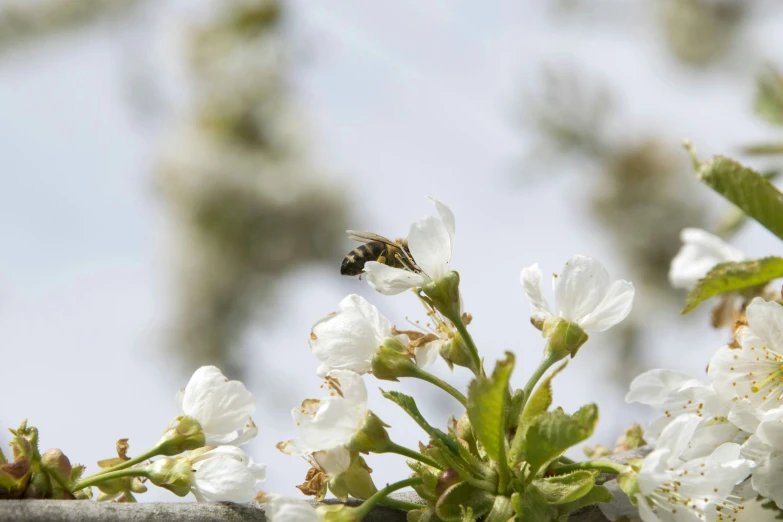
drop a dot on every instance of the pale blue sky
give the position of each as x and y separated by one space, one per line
403 100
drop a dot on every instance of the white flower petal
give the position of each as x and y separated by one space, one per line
349 338
427 354
447 217
532 283
222 407
333 461
700 252
653 387
391 281
766 479
223 478
676 436
744 415
645 511
615 306
765 319
430 246
580 288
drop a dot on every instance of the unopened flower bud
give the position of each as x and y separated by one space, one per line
444 295
447 478
14 478
392 360
371 437
185 436
172 474
565 337
57 466
456 353
40 486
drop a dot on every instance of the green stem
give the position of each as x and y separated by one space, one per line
546 363
463 331
393 447
604 466
154 452
401 504
440 383
103 477
363 510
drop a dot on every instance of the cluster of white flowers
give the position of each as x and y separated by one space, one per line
712 436
221 470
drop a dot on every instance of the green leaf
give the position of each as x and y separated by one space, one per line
407 403
554 432
487 408
733 276
562 489
540 400
746 188
763 149
531 506
501 511
462 496
769 96
598 494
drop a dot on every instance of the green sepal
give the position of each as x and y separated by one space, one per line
732 277
187 435
456 352
562 489
372 437
531 506
421 515
487 408
555 431
444 295
451 503
392 361
565 338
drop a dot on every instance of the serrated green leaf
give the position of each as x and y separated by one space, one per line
554 432
461 496
408 404
747 189
540 400
733 276
562 489
487 408
597 495
531 506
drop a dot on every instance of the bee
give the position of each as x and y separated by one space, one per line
375 248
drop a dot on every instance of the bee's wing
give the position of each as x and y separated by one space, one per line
364 237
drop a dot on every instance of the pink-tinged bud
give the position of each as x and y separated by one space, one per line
14 478
448 478
57 465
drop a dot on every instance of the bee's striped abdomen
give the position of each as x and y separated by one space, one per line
353 263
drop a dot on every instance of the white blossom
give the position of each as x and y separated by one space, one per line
334 420
765 449
222 407
430 243
584 295
754 371
674 490
349 338
699 254
225 474
673 394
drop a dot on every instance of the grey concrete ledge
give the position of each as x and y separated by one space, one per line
90 511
